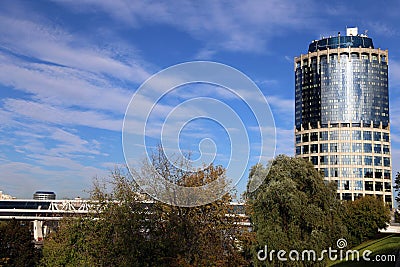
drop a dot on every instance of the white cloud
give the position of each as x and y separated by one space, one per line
281 105
30 139
72 143
5 118
36 39
63 86
50 114
232 25
205 54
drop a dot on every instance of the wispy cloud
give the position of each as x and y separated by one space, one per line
205 54
216 22
47 158
380 28
63 86
55 45
56 115
282 105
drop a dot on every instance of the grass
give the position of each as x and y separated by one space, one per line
383 246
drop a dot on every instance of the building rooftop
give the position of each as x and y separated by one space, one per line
352 39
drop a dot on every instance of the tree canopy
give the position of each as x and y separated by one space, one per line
132 230
293 209
16 246
364 217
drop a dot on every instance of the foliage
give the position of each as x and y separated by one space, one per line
16 246
128 229
365 216
293 209
120 232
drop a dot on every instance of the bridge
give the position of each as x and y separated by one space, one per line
48 210
45 213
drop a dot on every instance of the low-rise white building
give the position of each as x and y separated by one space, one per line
4 196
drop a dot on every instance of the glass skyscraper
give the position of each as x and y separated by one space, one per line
342 114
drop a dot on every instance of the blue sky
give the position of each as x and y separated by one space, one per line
69 68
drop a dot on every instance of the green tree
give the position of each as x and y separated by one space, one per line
69 245
16 246
293 209
364 217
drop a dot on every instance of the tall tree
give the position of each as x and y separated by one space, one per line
293 209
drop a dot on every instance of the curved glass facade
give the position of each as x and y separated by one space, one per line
354 89
342 86
44 195
342 115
